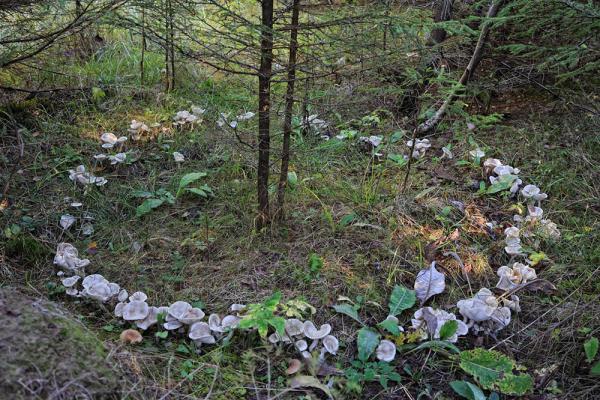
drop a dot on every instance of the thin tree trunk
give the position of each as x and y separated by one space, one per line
289 105
468 72
264 108
167 50
172 42
143 50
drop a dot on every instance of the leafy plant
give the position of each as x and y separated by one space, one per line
495 371
262 315
361 372
591 350
187 180
401 299
367 341
315 265
470 391
153 200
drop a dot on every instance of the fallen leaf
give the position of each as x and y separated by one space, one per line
304 381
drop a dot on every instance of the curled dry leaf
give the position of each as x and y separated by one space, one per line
429 282
294 366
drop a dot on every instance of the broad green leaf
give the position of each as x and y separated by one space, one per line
448 329
162 334
279 324
348 310
367 342
347 219
591 349
292 178
437 344
493 370
390 326
197 191
401 299
147 206
467 390
398 159
504 183
189 178
595 370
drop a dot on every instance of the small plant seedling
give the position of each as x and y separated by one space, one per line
185 182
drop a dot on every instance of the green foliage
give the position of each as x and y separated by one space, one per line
297 308
503 183
401 299
361 372
448 329
186 180
591 349
367 342
350 310
262 315
467 390
493 370
315 265
390 326
153 201
398 159
292 179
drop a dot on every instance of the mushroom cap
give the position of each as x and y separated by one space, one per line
477 153
109 138
237 307
135 310
301 345
71 281
172 325
331 344
151 319
386 351
230 322
312 332
178 157
501 318
193 315
512 231
114 289
66 221
130 336
492 163
67 257
475 309
179 309
294 327
199 330
73 292
441 317
138 296
524 272
214 323
119 309
93 279
122 295
529 191
100 291
294 366
274 338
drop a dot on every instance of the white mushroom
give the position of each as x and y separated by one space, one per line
386 351
301 345
331 344
123 295
172 323
72 292
426 315
200 331
214 323
178 157
135 310
66 221
477 153
294 327
237 307
67 257
138 296
312 332
151 319
193 315
230 322
71 281
110 140
533 192
119 309
179 309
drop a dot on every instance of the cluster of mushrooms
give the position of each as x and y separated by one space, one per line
186 117
421 146
233 123
298 332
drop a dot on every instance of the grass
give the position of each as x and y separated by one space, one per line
209 250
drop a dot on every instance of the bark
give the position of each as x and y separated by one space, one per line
467 73
264 109
289 104
442 12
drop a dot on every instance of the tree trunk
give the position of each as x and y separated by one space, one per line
467 73
289 105
143 49
264 109
442 12
172 43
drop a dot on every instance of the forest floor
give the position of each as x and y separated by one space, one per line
347 209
